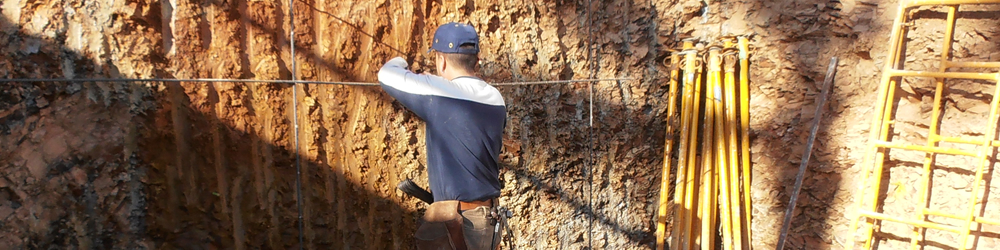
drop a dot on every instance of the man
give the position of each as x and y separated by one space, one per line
465 118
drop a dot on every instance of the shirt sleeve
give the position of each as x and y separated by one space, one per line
405 86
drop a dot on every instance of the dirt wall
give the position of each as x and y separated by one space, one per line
212 165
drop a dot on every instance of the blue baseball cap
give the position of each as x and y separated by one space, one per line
451 36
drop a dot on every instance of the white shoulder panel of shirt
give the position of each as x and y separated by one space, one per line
395 74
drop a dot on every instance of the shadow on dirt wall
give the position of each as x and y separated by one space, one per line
135 209
64 198
205 206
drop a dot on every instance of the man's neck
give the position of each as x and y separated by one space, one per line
453 75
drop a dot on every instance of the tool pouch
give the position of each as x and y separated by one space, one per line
441 228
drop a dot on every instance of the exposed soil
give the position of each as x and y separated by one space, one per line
212 165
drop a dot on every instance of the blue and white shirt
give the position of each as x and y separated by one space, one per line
465 122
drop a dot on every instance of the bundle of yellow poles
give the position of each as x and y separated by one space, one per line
711 203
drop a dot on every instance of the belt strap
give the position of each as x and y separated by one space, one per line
468 205
457 234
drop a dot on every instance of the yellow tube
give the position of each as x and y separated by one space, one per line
731 107
879 160
959 217
721 166
729 60
984 160
661 221
693 170
915 3
706 198
880 123
932 141
930 74
885 121
951 64
878 119
938 150
745 167
924 224
962 140
680 235
987 221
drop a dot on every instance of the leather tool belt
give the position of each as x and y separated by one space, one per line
441 227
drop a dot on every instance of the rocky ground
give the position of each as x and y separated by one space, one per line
212 165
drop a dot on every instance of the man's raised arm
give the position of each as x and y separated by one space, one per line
409 88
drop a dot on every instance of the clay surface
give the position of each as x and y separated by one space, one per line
151 165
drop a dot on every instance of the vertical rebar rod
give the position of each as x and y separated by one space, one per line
590 133
789 212
295 122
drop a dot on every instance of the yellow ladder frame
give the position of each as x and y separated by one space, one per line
878 137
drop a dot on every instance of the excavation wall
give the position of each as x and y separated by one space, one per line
110 165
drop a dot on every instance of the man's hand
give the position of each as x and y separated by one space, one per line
398 62
401 62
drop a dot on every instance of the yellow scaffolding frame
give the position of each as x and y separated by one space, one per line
879 141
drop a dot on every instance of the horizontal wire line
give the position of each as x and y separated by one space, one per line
27 80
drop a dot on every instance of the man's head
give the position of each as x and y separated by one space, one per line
456 50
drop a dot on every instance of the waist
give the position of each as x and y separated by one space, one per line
469 205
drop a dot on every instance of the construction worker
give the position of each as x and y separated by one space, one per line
465 119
